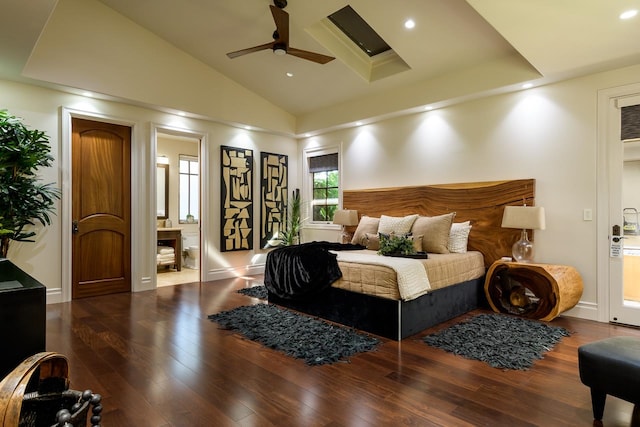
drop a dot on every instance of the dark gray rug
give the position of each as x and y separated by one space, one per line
259 292
502 341
315 341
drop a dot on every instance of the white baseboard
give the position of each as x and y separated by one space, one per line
584 310
231 272
54 295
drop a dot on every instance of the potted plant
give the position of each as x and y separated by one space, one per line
393 245
24 200
291 235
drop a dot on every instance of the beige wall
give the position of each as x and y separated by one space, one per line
172 147
42 109
548 133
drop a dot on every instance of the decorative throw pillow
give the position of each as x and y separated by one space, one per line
395 224
459 237
435 230
371 241
417 242
366 225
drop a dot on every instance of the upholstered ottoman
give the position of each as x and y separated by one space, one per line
611 366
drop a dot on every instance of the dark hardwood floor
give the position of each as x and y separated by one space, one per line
158 361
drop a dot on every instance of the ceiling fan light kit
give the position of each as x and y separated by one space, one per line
280 44
279 49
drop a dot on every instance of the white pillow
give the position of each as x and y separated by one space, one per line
459 237
396 224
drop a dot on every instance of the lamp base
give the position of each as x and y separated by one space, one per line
345 237
522 250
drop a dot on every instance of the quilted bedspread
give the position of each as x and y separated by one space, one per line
411 274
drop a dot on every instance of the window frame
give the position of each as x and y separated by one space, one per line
191 159
308 185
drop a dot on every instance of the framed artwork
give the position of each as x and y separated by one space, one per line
236 199
274 180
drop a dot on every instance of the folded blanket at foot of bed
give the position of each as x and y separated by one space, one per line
299 271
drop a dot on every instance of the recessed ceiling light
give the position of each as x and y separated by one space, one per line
87 94
182 113
628 14
409 24
428 108
527 85
247 127
289 74
358 123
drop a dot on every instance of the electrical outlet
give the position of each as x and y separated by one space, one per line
587 215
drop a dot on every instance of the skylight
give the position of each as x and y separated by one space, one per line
357 29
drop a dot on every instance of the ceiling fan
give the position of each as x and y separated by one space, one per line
280 43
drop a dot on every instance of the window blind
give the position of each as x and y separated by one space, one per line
630 122
327 162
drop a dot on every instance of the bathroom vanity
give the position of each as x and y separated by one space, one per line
172 237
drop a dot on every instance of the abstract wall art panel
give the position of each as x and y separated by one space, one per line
236 199
274 172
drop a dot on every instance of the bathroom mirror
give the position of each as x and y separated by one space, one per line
162 189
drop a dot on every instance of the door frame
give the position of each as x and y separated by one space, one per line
608 160
204 195
64 293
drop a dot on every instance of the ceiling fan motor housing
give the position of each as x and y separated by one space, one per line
280 3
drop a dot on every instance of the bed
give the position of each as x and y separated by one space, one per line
366 295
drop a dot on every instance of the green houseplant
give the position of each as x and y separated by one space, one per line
24 200
291 234
396 245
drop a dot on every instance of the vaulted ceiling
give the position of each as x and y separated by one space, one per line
457 50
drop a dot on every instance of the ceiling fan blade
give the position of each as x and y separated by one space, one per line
281 18
250 50
311 56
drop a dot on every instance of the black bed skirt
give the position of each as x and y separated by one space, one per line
390 318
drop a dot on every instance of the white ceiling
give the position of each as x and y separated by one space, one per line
545 40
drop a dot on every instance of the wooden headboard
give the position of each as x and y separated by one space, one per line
480 202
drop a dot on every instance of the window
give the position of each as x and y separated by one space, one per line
325 178
357 29
189 189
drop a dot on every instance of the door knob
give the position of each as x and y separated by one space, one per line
74 227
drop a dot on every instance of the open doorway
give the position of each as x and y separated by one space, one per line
178 208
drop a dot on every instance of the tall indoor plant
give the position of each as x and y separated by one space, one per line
24 200
291 235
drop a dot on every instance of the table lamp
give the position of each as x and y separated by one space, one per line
526 218
346 218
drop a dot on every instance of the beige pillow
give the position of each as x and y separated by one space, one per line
435 231
396 224
371 241
417 242
459 237
366 225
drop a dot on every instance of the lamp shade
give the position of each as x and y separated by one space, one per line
523 217
348 217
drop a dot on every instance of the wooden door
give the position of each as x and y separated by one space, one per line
101 177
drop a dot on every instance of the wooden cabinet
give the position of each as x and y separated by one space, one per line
172 237
536 291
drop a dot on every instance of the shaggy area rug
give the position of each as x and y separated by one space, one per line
502 341
315 341
259 292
